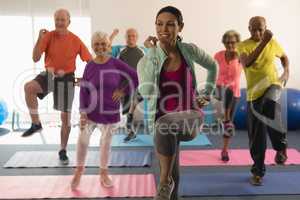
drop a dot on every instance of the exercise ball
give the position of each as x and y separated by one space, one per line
3 112
240 118
291 108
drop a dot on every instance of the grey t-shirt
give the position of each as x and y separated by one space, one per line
131 56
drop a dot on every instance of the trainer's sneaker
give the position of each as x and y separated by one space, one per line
281 157
164 192
63 157
224 156
33 129
256 180
130 136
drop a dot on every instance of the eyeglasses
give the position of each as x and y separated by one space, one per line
230 42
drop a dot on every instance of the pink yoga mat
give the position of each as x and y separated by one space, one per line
238 157
24 187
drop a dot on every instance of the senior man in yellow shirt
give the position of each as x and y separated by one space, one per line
258 55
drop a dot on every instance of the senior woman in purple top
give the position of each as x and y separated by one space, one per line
101 88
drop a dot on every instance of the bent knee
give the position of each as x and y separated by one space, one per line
32 87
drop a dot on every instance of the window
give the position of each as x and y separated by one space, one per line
17 41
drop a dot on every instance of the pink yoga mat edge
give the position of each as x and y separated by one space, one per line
33 187
238 157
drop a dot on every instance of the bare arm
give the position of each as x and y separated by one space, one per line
113 34
248 60
286 65
37 53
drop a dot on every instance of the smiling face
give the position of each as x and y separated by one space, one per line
100 45
167 28
61 20
257 27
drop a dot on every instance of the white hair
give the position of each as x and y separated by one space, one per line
100 35
133 30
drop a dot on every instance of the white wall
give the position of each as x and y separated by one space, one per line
43 7
206 21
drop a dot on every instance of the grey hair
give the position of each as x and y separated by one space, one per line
63 10
131 29
231 33
99 34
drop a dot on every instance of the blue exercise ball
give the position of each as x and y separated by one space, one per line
3 112
291 108
240 117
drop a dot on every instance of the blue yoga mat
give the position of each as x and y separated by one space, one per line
237 184
131 158
147 141
139 141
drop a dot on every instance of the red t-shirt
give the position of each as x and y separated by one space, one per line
61 51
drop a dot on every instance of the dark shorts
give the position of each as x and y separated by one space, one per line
61 86
126 101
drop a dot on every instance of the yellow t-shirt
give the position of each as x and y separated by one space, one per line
262 73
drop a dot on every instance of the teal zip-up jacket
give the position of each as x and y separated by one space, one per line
150 66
